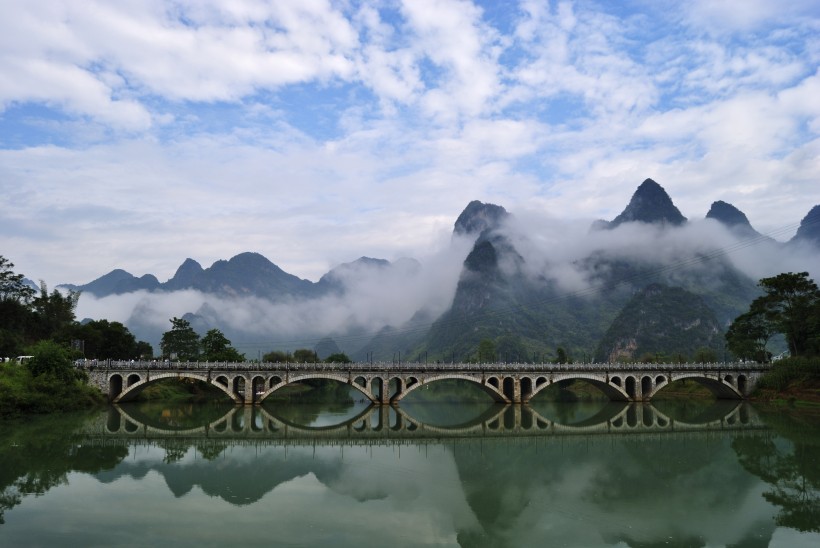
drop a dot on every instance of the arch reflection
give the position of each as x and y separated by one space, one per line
397 423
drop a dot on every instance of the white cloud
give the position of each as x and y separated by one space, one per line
316 132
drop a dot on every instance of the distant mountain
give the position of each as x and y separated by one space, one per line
334 280
809 230
117 282
478 217
650 204
733 219
661 320
246 274
526 309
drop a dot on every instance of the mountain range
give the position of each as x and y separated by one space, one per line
528 303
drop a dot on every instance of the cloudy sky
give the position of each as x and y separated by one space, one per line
137 133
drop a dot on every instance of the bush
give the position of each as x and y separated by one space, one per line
788 371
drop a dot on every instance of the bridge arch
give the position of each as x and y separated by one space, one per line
132 390
722 387
612 390
293 379
490 389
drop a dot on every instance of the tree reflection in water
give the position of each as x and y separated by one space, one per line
607 474
789 464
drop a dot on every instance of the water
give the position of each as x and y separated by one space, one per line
593 474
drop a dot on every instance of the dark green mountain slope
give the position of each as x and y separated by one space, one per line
661 320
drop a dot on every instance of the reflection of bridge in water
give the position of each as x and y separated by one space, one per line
251 383
394 425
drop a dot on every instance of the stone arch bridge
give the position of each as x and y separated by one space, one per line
251 383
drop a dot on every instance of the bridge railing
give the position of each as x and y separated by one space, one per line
363 367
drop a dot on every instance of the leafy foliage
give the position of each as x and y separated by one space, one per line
217 348
790 305
181 341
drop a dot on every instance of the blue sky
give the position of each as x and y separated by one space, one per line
135 134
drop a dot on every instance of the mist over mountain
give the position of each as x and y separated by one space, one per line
526 281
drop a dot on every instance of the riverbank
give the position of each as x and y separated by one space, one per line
793 382
22 393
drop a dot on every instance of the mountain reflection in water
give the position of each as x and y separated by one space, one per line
592 474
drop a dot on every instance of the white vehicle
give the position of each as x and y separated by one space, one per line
23 359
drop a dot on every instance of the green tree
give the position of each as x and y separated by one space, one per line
790 300
486 351
53 312
338 357
12 286
51 359
181 341
217 348
749 334
106 340
276 356
561 355
789 306
305 355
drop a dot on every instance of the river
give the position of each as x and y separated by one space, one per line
548 474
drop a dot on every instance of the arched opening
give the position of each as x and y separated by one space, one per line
220 427
133 379
221 380
741 384
258 384
412 381
578 390
394 387
646 387
526 419
630 388
509 417
114 386
395 420
647 416
660 379
526 388
631 412
239 386
376 419
131 427
509 388
238 422
257 419
446 391
377 388
493 381
114 420
728 379
616 381
540 381
743 414
274 380
361 382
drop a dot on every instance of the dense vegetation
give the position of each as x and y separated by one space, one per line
790 306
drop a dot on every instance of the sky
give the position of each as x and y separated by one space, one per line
135 134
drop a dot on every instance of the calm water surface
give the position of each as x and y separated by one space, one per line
549 474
